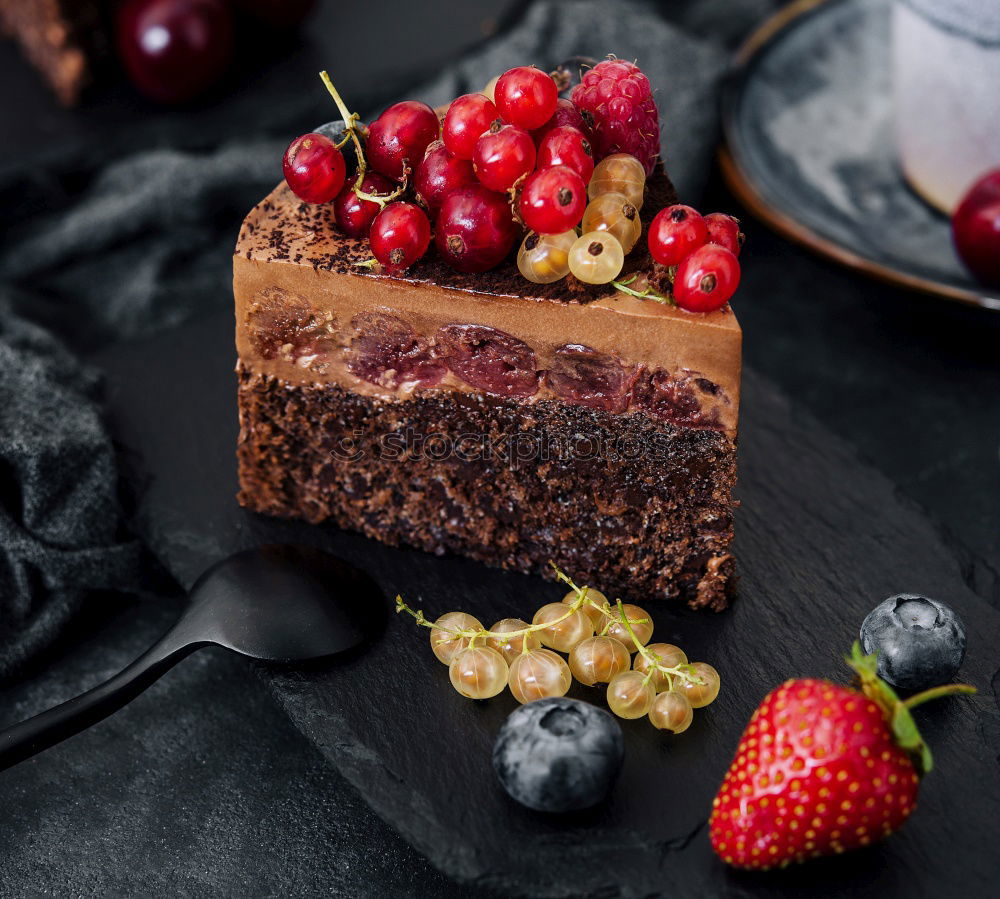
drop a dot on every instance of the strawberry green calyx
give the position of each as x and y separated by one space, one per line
897 711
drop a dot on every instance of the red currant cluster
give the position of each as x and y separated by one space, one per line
516 154
701 254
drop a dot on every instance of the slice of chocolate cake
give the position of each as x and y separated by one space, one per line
485 415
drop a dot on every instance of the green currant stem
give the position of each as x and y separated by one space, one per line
647 294
681 671
351 120
938 693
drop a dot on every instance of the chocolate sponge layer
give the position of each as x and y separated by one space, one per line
636 507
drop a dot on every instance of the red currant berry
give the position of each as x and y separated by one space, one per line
566 114
526 97
400 235
725 231
567 146
975 228
354 215
467 118
706 279
475 230
174 50
438 173
553 200
314 168
675 232
401 134
503 154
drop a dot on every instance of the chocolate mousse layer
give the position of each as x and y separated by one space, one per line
485 415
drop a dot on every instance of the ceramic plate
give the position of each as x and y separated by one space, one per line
809 148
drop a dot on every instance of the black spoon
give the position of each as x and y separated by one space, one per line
275 603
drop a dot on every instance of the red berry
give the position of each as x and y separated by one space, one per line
174 50
438 173
475 229
817 771
503 154
975 229
400 235
553 200
566 114
567 146
401 134
724 230
675 232
706 279
354 215
617 95
467 118
314 168
526 97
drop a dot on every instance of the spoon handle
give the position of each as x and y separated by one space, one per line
53 726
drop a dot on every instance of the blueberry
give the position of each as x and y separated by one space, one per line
558 755
920 641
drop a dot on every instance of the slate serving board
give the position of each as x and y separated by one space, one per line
820 539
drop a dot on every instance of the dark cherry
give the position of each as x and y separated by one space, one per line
475 229
582 375
490 359
387 352
401 135
975 228
354 215
439 173
678 399
174 50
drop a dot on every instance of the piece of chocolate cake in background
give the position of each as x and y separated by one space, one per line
68 41
484 415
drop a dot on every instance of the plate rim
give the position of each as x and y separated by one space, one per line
742 185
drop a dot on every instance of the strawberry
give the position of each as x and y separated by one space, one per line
820 769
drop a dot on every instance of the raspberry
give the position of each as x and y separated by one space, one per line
619 99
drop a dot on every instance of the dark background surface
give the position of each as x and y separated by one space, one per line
203 785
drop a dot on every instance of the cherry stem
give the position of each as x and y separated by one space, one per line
351 120
938 693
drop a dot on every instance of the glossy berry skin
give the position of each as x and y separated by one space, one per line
724 230
502 156
400 135
619 99
553 200
526 97
674 233
816 772
400 235
566 114
439 172
975 229
314 168
558 755
707 279
474 230
354 215
596 257
467 118
174 50
567 146
920 641
544 258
